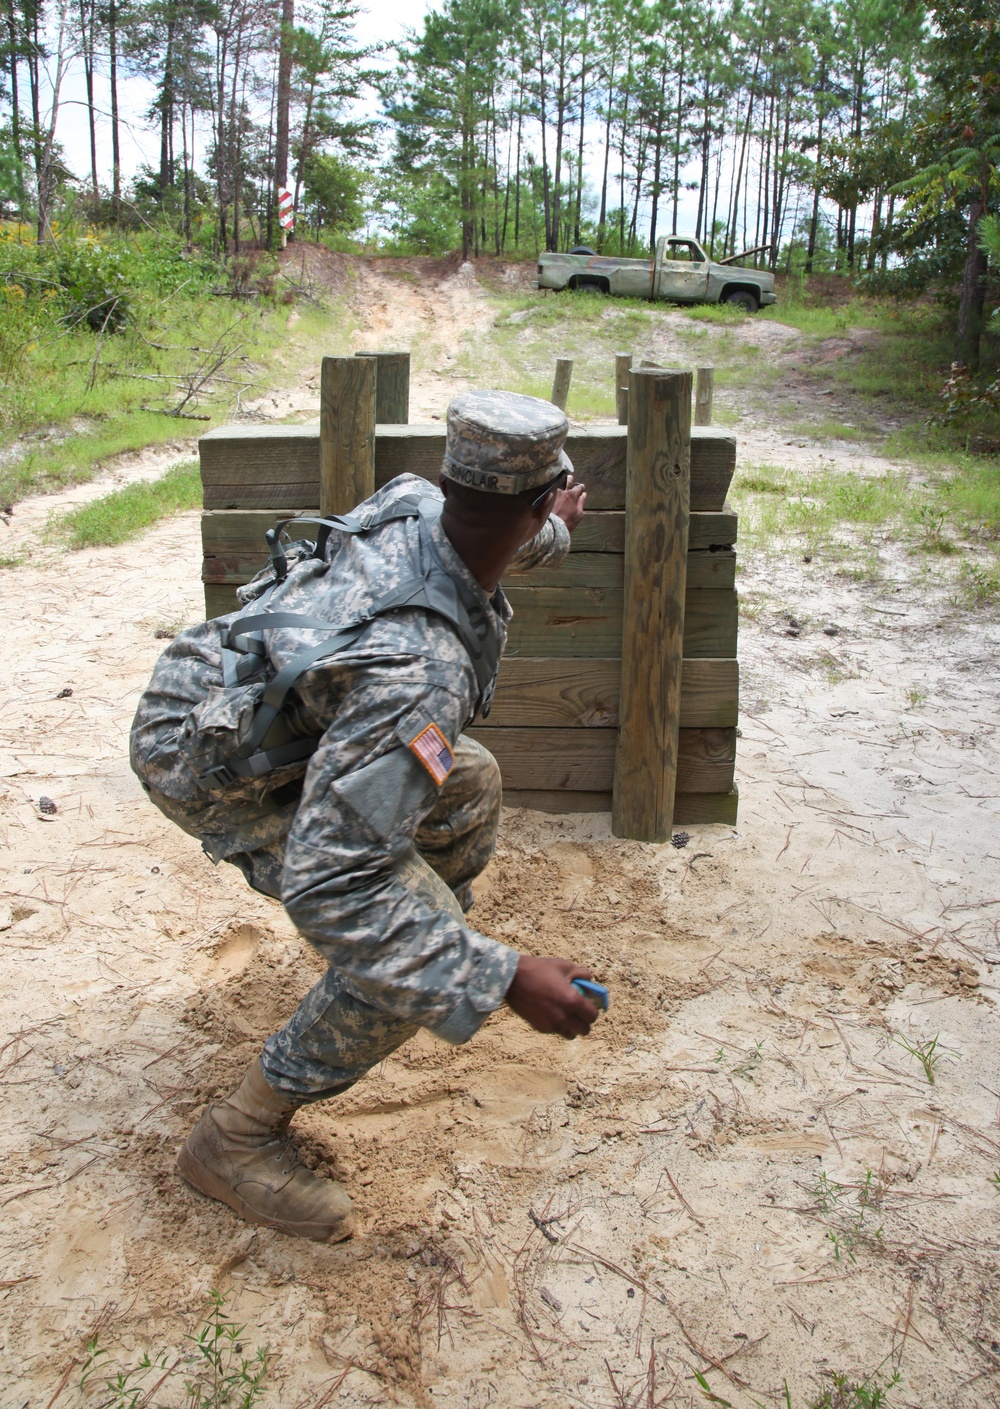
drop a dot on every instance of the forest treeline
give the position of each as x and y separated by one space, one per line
862 135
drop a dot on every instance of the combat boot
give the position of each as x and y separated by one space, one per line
240 1152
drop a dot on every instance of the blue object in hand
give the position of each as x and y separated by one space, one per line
596 992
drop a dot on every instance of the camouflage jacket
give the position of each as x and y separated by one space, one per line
408 671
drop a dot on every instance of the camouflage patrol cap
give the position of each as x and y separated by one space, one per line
503 443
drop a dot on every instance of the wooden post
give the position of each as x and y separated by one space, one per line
346 433
623 361
560 382
392 387
657 499
704 387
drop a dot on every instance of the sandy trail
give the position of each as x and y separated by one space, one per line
742 1173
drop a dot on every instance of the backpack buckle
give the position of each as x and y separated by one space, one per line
213 777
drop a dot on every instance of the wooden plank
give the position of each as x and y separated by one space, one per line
346 433
658 500
555 694
577 626
257 466
219 600
710 694
392 387
552 800
597 533
710 571
699 809
604 532
584 759
585 693
237 562
690 809
569 621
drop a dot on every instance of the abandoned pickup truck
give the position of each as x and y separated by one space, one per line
681 272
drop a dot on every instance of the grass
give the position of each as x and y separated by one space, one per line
531 330
72 396
127 512
109 419
845 515
215 1370
844 1391
848 1208
928 1053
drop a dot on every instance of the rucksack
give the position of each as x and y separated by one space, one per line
250 685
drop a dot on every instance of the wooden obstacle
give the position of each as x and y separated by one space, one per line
650 579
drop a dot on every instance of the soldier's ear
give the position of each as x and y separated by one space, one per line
443 485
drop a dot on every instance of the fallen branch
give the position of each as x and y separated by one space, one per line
178 415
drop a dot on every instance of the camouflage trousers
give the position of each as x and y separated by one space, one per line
334 1037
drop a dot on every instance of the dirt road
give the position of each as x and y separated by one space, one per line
745 1173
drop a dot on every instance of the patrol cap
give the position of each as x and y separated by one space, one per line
504 443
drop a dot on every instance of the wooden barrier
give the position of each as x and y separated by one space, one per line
556 718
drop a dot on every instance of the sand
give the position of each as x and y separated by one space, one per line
742 1174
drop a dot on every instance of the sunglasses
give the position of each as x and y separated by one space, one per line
558 483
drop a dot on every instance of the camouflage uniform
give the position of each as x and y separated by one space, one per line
373 851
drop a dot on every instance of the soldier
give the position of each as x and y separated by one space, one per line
358 661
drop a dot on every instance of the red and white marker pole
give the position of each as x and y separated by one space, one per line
286 215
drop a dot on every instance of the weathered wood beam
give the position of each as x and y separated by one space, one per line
347 433
690 809
225 529
553 694
658 501
584 759
258 467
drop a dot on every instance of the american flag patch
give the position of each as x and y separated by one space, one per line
431 747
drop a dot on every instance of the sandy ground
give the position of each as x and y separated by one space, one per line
742 1174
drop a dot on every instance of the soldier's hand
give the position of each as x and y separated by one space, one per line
542 993
570 503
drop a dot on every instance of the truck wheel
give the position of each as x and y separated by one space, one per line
582 249
581 284
742 298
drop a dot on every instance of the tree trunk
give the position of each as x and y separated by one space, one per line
973 296
677 139
585 51
657 157
116 156
87 50
814 222
705 143
602 218
167 112
284 100
15 116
